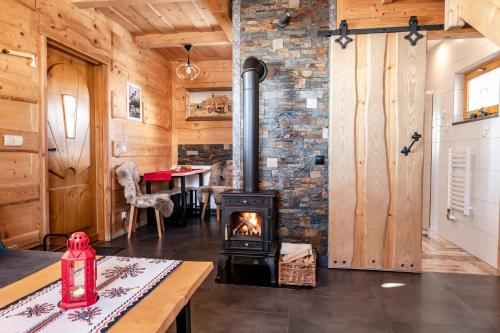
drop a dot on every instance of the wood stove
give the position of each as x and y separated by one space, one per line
249 227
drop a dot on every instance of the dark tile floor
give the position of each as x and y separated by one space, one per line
343 301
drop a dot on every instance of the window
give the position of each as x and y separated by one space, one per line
481 90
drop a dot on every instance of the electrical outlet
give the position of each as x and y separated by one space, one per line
484 132
319 160
124 215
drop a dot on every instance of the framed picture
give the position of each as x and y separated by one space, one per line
134 102
209 104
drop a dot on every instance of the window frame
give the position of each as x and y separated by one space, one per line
478 71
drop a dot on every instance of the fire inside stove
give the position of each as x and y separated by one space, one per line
247 224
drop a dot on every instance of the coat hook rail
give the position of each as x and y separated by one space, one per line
412 28
21 54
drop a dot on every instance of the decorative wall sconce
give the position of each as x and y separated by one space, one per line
285 20
69 108
27 55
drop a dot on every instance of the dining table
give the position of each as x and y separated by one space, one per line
169 175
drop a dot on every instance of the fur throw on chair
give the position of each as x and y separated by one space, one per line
221 179
128 177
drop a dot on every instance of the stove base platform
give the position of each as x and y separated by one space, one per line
226 259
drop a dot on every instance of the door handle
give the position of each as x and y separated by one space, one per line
52 149
406 150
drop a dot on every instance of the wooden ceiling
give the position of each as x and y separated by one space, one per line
167 25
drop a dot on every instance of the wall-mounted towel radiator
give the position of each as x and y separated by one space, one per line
459 180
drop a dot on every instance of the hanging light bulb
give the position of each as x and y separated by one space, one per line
187 71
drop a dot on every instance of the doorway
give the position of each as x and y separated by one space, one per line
461 171
71 106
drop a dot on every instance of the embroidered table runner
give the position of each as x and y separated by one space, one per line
121 283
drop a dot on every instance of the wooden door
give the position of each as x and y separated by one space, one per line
70 140
375 192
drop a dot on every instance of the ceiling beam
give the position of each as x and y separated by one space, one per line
483 15
452 19
221 10
196 38
453 34
118 3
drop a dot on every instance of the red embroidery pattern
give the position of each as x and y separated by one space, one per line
124 271
86 314
116 292
35 311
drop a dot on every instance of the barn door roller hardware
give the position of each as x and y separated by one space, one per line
413 29
406 150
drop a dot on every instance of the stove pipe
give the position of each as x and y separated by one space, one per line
254 72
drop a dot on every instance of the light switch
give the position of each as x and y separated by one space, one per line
124 149
312 103
13 140
272 162
325 133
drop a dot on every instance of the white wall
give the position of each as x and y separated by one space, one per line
477 233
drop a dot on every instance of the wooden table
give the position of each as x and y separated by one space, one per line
182 176
154 313
168 175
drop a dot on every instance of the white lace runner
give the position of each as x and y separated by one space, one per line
121 282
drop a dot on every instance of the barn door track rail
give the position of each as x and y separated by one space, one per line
413 29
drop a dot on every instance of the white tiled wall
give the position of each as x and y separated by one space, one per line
477 233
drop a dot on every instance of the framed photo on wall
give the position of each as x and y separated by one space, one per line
209 104
134 102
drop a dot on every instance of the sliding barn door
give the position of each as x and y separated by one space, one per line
375 192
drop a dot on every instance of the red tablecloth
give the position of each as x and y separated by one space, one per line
163 175
158 175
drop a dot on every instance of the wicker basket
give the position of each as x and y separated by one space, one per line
297 273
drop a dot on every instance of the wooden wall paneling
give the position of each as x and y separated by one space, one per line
16 115
375 14
342 170
92 36
19 81
376 175
157 115
214 74
86 31
18 21
18 225
18 167
116 112
18 193
130 149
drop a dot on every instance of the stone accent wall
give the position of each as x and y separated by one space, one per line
293 109
204 154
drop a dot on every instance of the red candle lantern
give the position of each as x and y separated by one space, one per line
78 273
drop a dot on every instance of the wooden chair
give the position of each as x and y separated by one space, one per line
221 179
128 177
